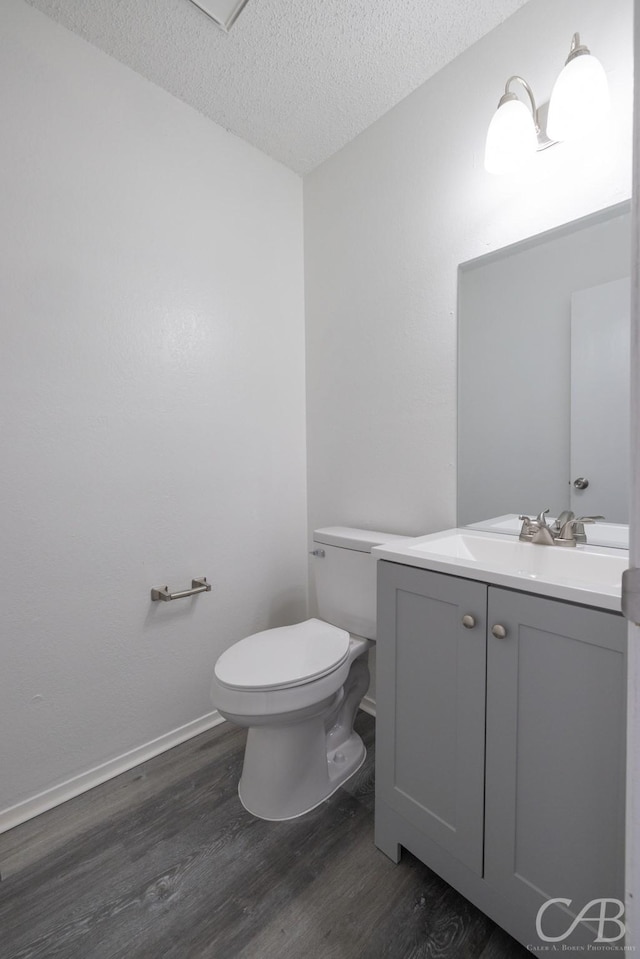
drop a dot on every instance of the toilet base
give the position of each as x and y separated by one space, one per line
295 759
271 786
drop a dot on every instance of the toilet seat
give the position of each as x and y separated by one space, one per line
284 657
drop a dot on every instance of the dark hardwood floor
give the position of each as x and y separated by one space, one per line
164 863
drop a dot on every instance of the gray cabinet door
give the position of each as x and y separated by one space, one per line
554 819
430 702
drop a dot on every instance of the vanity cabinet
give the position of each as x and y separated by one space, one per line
500 757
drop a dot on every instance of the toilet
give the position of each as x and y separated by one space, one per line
297 688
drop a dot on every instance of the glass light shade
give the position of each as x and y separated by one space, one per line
579 100
511 138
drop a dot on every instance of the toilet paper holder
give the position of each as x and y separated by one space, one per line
197 586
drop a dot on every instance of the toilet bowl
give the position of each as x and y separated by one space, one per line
297 688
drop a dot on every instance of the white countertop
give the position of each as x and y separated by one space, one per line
590 575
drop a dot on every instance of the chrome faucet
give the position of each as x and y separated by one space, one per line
566 530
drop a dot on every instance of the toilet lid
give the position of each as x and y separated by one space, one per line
287 656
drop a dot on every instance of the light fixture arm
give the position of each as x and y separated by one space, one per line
538 123
577 49
508 95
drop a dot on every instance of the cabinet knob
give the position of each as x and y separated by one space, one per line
499 631
468 621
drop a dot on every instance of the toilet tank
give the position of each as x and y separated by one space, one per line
343 580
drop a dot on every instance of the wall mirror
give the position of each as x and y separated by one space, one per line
543 374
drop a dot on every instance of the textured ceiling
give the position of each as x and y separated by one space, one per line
296 78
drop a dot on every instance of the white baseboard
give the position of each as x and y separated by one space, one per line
49 798
368 706
41 802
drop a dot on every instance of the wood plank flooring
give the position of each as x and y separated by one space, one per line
164 863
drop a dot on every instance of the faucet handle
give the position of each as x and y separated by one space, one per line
572 531
579 533
540 518
563 518
526 531
566 534
532 526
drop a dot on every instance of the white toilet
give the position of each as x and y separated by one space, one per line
297 688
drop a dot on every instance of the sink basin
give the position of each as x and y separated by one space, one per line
585 574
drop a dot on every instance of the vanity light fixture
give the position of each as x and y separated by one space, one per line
579 101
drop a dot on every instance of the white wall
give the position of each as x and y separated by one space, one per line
151 405
151 369
388 220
